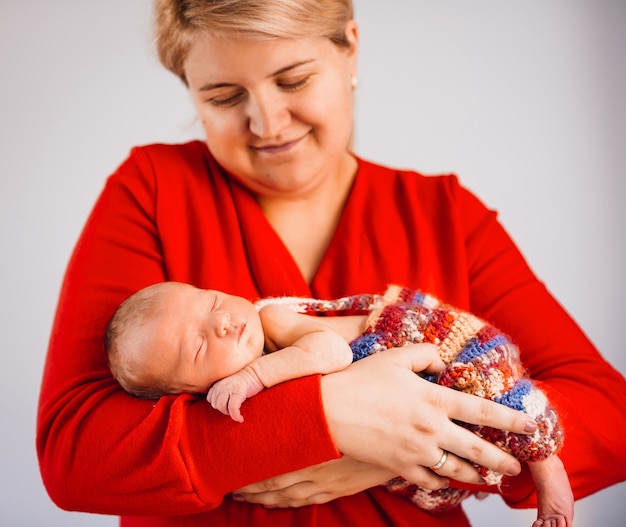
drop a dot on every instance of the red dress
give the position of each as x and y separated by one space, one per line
170 213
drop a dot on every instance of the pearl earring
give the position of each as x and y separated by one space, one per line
354 81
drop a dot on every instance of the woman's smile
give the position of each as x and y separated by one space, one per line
283 147
270 123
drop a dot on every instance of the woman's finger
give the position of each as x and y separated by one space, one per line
456 468
420 423
274 484
479 411
300 492
299 495
344 475
467 445
458 405
310 492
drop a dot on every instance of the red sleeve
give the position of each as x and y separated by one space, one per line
430 233
589 394
101 450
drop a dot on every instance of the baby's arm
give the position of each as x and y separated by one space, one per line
555 500
301 344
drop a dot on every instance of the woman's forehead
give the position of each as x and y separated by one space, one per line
237 56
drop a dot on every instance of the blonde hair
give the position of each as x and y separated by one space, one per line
179 21
127 321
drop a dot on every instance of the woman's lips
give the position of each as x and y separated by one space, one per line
277 148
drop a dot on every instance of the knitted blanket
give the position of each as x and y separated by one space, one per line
479 359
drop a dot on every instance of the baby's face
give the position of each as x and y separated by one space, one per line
201 336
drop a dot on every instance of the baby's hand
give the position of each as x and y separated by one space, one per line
228 394
431 359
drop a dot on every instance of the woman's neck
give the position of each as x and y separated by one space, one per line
306 224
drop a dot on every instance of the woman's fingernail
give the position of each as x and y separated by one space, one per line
513 470
238 497
531 426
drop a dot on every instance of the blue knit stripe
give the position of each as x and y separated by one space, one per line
363 345
514 398
475 348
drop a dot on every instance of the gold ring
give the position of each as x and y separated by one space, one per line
441 462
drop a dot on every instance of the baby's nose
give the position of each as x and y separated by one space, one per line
223 324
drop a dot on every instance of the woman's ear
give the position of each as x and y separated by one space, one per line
352 36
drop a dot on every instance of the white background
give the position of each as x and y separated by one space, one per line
524 100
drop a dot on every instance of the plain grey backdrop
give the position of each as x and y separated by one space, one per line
523 99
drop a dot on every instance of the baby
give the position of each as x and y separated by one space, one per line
171 338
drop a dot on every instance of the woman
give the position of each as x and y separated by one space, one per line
274 203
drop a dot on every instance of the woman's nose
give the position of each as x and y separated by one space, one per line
268 116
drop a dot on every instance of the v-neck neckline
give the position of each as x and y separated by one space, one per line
272 265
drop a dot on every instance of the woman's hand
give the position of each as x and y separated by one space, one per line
345 476
314 485
381 413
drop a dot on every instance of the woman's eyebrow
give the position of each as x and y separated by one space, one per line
215 85
290 67
212 86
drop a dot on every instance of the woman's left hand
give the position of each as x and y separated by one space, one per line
314 485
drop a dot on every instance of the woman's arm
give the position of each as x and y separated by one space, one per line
154 221
588 393
176 455
490 278
419 432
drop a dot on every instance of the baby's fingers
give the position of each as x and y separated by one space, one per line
218 399
234 406
211 396
418 357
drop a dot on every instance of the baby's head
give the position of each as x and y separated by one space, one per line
172 337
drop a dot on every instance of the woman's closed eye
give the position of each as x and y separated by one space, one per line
232 98
295 84
227 99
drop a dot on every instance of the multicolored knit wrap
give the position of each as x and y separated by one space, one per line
479 359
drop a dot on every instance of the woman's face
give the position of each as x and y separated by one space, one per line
277 114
